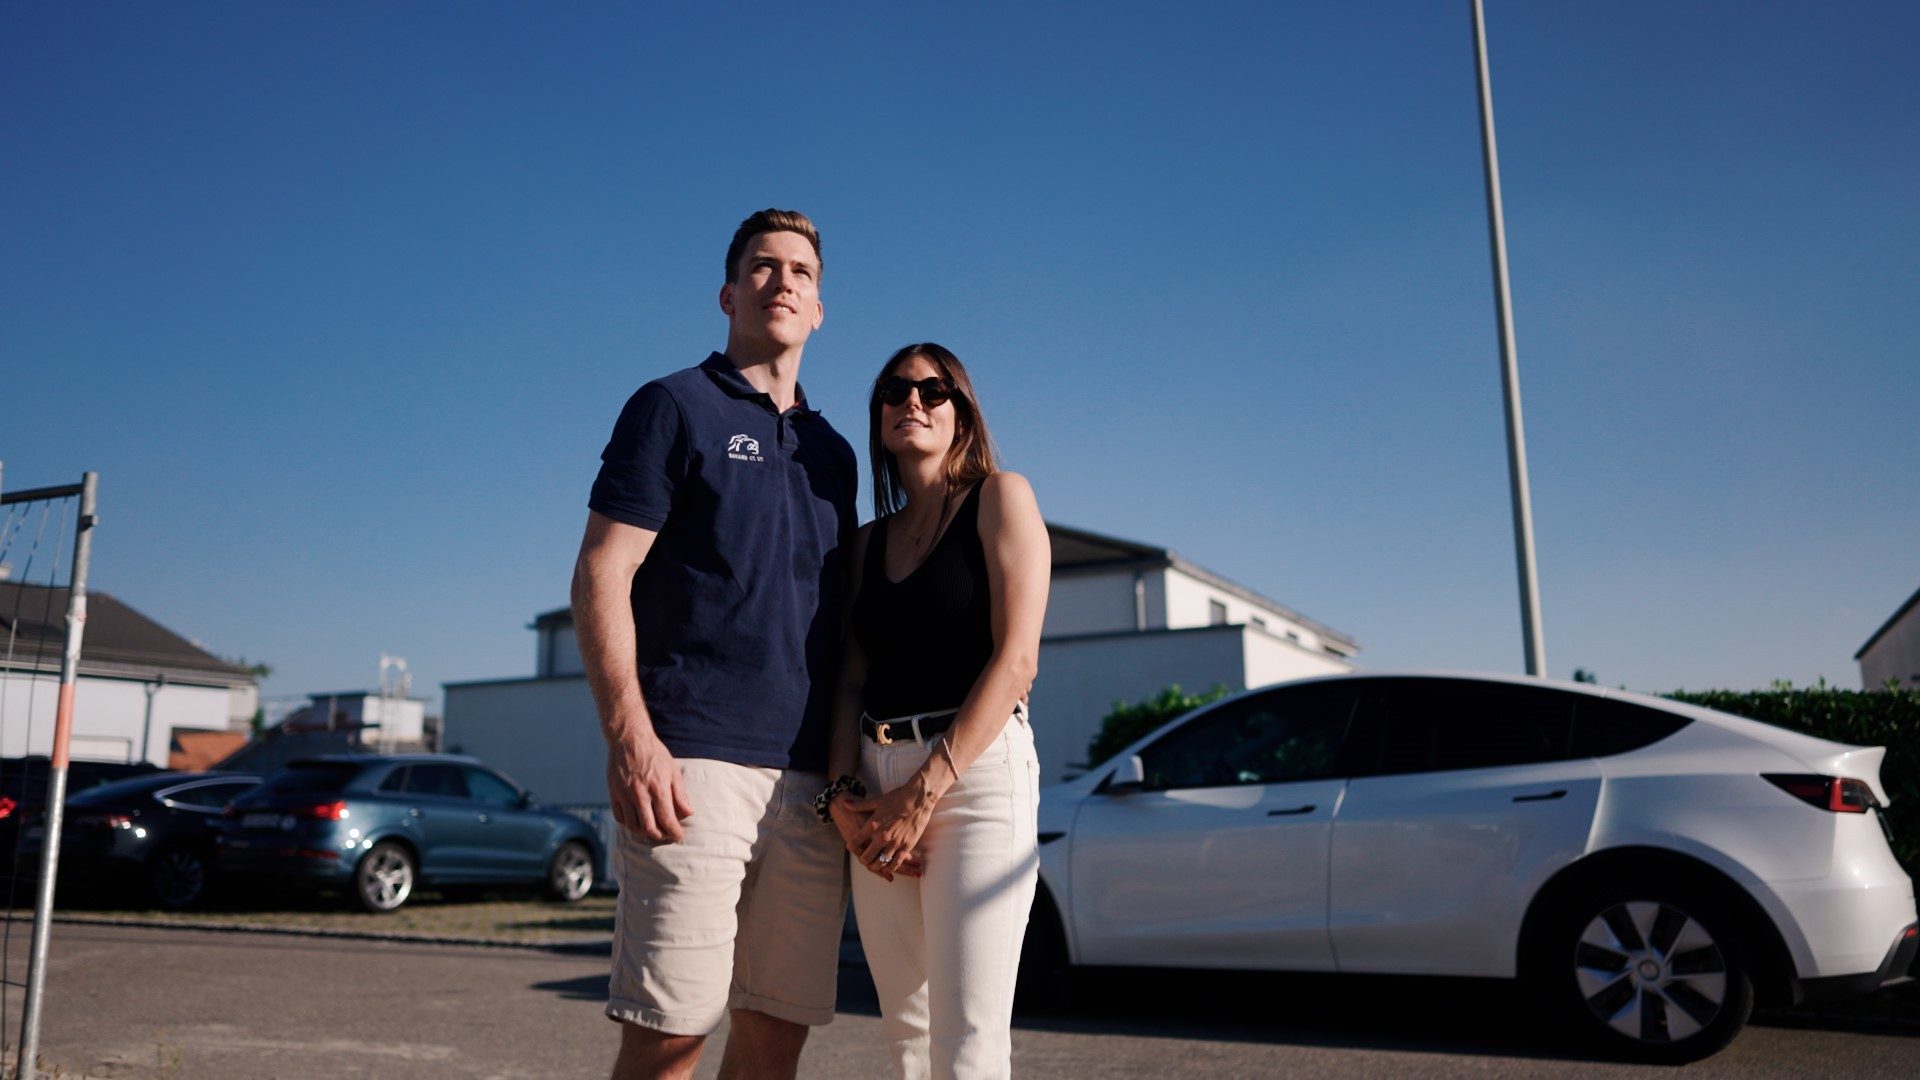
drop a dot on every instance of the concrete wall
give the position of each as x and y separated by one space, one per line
242 702
559 653
542 732
1895 656
109 716
1098 603
1081 679
1273 659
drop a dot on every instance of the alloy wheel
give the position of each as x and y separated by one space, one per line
177 878
1650 971
572 875
386 879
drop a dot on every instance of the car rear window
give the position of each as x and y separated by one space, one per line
121 789
1437 725
1602 726
311 777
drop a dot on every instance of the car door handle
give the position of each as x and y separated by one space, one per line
1545 796
483 818
413 811
1307 809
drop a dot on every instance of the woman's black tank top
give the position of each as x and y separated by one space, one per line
928 636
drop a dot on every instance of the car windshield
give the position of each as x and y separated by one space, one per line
309 777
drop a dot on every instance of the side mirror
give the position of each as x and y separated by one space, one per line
525 800
1129 778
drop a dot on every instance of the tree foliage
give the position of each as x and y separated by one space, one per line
1130 720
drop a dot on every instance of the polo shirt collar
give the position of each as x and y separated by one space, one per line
728 377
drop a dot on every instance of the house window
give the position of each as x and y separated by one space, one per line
1259 623
1216 613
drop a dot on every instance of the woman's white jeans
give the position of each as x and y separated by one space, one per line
944 948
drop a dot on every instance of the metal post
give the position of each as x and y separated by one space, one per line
146 730
1509 367
57 781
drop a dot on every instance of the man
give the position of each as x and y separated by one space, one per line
707 601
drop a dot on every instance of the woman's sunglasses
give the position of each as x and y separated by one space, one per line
933 391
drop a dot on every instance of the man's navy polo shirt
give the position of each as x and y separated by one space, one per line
737 606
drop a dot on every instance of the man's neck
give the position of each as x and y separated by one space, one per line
773 372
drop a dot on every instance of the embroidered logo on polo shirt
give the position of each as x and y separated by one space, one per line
744 448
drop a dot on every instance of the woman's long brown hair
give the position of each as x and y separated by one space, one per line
970 459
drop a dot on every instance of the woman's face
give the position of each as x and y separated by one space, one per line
912 429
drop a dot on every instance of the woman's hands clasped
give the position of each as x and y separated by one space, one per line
890 825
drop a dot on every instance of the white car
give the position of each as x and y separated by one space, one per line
1649 866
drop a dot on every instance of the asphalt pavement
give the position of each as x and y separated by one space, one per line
144 1002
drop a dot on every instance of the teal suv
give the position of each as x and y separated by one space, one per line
378 826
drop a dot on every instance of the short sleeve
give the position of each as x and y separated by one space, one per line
644 462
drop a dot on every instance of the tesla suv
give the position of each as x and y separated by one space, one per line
378 826
1648 867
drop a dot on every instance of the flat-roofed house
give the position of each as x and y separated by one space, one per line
1124 620
1892 654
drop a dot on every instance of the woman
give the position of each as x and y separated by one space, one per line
949 589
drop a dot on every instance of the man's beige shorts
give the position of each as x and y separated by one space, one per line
745 913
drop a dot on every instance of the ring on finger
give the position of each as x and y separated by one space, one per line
883 858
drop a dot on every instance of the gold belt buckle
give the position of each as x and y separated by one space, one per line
881 736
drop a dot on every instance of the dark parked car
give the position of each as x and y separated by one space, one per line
153 833
378 826
23 790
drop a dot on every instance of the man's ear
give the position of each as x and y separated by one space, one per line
819 314
726 299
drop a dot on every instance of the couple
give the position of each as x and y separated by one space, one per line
782 690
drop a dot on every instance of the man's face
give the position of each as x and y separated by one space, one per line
774 298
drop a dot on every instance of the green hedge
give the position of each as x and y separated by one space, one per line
1889 718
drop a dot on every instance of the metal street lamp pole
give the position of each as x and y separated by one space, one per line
1509 367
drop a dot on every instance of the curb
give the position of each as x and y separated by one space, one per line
598 944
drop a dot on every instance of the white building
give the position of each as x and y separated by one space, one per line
380 720
1124 620
1893 652
136 684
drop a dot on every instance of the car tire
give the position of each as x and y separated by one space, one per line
1044 980
570 874
177 877
384 878
1649 970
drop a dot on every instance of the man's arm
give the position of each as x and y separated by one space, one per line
643 782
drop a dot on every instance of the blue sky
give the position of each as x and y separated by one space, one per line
341 300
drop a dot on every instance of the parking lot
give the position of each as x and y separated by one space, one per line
136 1001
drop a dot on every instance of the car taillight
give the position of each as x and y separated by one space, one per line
7 805
333 811
1840 794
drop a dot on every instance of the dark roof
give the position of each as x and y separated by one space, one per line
1888 625
1080 550
119 641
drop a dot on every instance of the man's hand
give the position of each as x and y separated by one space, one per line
646 789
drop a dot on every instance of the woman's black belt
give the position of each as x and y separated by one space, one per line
917 728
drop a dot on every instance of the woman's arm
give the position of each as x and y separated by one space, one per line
1019 566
